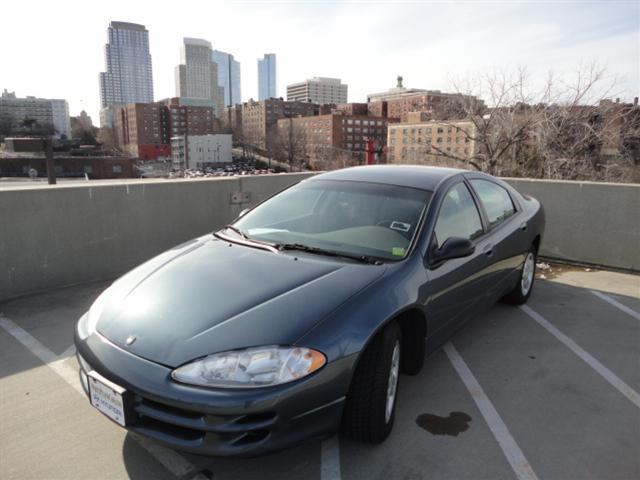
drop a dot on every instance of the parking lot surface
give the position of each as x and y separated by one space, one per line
546 391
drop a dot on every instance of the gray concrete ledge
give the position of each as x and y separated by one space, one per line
74 232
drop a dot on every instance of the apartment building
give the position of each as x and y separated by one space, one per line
398 102
128 76
337 134
144 130
48 114
259 117
431 143
320 90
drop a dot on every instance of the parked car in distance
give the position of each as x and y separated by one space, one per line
298 318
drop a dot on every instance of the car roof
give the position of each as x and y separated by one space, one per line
414 176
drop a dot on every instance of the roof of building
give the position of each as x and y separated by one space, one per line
414 176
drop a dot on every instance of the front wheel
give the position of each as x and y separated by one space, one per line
521 292
371 402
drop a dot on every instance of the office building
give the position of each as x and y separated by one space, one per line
267 77
228 77
320 90
201 151
128 77
197 75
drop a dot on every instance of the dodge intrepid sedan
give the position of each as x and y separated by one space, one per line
298 318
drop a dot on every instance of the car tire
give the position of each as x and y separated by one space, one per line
371 403
414 348
521 292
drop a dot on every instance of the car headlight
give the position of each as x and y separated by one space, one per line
252 367
88 322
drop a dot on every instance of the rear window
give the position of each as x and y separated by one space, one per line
495 199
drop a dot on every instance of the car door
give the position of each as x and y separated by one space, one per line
506 228
457 286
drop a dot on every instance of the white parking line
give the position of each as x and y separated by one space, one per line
510 448
172 461
330 459
607 374
617 304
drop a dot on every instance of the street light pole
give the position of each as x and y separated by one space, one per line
48 153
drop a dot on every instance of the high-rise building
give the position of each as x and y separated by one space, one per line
38 115
128 77
320 90
228 76
197 75
267 77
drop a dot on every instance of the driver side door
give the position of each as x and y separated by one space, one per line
459 285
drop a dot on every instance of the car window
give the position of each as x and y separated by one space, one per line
458 216
495 200
361 218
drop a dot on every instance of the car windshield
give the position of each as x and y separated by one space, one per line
354 218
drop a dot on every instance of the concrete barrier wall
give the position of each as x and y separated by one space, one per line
70 234
589 222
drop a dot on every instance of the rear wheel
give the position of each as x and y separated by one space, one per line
371 402
521 292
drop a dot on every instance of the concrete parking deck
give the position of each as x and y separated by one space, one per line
548 391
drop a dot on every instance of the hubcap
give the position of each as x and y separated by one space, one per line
392 386
527 274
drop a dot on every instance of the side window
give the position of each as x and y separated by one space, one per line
495 199
458 216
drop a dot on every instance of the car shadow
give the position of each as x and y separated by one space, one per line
299 462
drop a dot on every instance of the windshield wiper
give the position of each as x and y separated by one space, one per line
329 253
237 230
245 239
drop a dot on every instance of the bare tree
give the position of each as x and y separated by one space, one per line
287 142
563 129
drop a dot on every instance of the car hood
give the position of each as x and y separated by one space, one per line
209 296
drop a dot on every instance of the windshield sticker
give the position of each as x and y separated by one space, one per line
403 227
398 251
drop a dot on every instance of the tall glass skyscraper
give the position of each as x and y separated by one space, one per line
128 77
267 76
228 76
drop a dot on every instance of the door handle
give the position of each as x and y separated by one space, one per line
488 250
523 226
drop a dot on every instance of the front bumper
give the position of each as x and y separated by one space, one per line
220 422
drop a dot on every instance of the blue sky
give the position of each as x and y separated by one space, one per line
55 49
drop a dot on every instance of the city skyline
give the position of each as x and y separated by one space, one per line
426 53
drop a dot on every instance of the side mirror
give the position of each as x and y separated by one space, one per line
453 247
243 212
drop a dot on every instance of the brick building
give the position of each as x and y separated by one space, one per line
144 130
430 143
337 134
258 118
398 102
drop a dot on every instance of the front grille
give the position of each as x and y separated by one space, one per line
166 422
